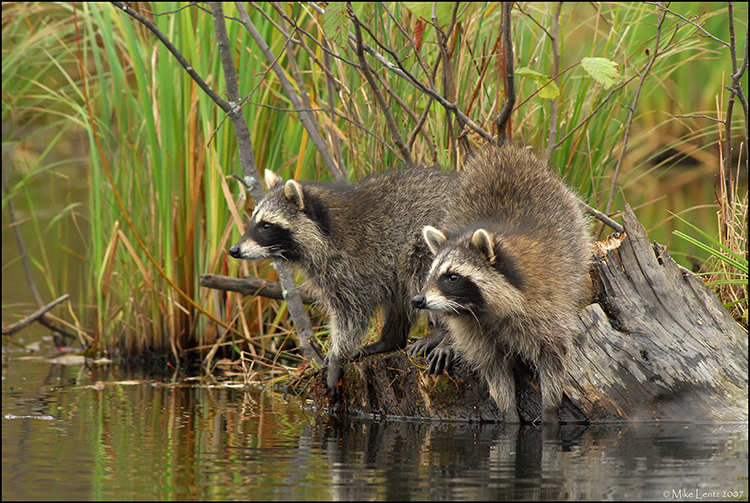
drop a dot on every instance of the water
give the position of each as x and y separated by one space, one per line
70 432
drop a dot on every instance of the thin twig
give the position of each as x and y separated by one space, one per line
693 23
593 112
310 125
36 315
601 216
323 47
727 150
550 34
503 119
390 121
554 34
699 117
402 72
405 108
449 84
332 112
644 73
410 39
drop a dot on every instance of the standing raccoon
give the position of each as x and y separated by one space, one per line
360 246
509 274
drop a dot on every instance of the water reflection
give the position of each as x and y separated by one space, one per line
108 435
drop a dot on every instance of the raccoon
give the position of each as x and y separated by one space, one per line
359 245
510 273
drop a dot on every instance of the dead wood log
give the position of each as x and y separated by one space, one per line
656 344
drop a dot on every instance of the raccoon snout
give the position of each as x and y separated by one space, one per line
419 301
235 251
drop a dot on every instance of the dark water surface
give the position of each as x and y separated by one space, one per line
74 433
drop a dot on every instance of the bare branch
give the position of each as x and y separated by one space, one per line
601 216
402 72
384 107
503 118
310 125
737 90
554 34
36 315
626 134
250 285
699 117
693 23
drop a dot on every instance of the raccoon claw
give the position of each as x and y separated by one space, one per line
440 359
423 346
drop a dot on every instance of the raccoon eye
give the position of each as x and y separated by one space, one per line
452 277
266 225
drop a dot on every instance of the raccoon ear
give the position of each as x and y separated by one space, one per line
272 179
434 238
482 241
293 193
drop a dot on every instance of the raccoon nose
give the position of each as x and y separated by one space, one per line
419 301
235 251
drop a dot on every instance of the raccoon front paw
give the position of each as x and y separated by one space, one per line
440 358
334 379
423 346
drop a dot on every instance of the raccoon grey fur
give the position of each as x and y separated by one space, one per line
359 245
510 273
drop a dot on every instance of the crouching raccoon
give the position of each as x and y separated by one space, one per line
359 245
510 273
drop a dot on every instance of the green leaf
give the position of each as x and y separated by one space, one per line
551 91
335 23
443 11
602 70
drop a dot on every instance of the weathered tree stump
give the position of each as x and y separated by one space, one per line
656 344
